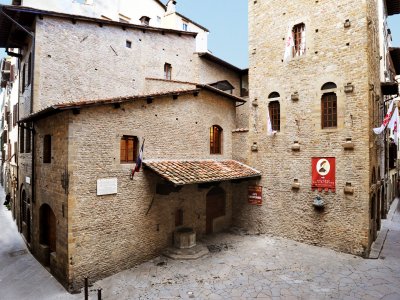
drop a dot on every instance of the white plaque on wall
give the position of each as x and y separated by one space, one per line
107 186
28 180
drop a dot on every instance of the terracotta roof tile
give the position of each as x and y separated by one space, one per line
181 172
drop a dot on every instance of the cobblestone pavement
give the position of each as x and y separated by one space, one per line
262 267
238 267
21 275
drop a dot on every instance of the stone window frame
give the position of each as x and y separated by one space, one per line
328 90
117 146
316 104
274 110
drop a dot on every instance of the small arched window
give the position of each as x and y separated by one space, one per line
215 139
329 86
274 95
274 110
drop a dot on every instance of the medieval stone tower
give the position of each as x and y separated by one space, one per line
314 69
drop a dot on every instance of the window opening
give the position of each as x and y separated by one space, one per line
47 149
28 141
128 149
299 38
275 115
21 140
215 139
167 71
329 110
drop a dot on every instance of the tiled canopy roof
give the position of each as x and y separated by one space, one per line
181 172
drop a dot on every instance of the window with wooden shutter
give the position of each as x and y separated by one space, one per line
299 38
215 139
128 149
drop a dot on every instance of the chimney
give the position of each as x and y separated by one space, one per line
171 6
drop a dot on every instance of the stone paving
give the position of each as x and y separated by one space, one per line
239 266
21 275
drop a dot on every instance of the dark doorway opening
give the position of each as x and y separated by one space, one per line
215 207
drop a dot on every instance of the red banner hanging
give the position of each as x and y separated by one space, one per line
323 173
255 195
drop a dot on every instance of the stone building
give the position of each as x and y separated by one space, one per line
97 90
149 12
9 129
315 74
94 89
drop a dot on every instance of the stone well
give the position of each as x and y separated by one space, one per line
184 238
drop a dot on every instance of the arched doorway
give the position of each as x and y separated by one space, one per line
215 207
48 229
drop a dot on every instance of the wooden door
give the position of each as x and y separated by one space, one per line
215 207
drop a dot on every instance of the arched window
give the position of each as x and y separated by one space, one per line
274 109
274 95
215 139
329 86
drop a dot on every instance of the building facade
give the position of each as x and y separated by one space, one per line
95 89
316 77
85 117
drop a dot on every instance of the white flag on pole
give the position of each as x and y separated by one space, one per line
387 118
289 44
269 125
393 125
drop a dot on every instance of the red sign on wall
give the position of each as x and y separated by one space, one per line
323 173
255 195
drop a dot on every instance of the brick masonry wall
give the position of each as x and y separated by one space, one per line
334 54
210 72
107 234
84 61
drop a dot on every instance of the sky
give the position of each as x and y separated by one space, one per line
227 22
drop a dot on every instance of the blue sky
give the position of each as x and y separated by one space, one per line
227 22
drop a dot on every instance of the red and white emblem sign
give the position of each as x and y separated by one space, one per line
323 173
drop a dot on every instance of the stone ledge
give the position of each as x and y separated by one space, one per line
195 252
377 246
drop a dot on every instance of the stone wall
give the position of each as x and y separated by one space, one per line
335 54
84 61
49 190
110 233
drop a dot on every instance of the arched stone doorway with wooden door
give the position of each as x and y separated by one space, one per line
48 232
215 207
